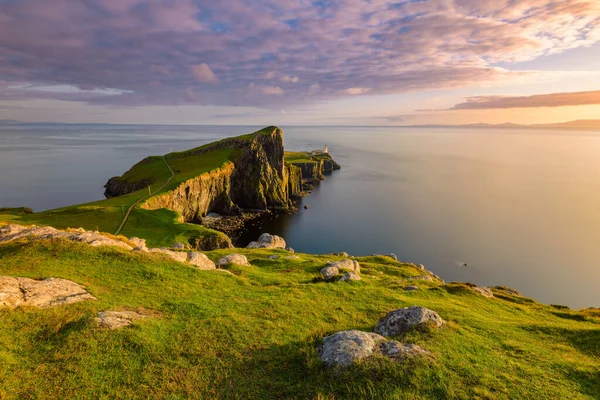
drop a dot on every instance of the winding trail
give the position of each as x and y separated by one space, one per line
145 197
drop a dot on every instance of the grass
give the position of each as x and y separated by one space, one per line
254 335
298 157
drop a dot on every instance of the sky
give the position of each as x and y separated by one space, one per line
300 62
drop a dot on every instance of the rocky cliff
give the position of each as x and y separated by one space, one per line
313 165
254 178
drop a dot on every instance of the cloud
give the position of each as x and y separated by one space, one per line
539 100
357 90
153 51
203 73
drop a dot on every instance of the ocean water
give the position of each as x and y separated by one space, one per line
520 207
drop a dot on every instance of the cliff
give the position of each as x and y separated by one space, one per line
251 176
313 165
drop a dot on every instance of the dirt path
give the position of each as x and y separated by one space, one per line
144 198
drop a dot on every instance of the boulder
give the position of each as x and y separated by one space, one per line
15 292
237 259
117 319
329 272
200 261
178 246
175 255
342 254
404 319
290 250
350 276
142 249
345 348
346 265
393 256
267 241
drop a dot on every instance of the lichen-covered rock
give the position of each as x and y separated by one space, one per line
14 232
237 259
268 241
345 348
400 351
117 319
404 319
15 292
329 273
200 261
346 265
342 254
175 255
350 276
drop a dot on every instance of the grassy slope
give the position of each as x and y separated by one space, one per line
254 336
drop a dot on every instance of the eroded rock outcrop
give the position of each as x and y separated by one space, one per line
12 232
16 292
345 348
118 319
346 265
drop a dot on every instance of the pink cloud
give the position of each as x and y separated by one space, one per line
203 73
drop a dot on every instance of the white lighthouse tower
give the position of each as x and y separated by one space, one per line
325 150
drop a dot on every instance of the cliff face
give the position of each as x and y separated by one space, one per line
255 178
314 167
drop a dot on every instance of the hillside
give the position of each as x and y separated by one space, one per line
255 334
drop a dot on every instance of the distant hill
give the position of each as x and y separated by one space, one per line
578 124
593 124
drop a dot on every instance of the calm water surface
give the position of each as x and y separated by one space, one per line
520 207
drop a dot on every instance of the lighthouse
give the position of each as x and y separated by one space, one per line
325 150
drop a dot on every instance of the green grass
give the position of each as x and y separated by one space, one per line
253 336
295 157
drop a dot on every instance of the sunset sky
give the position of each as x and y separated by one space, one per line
359 62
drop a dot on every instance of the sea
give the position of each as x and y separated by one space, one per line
491 206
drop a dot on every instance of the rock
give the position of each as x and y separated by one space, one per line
306 207
267 241
345 348
329 272
200 261
15 232
350 276
175 255
273 257
400 351
393 256
411 288
237 259
404 319
485 292
342 254
138 242
178 246
421 267
142 249
290 250
15 292
117 319
346 265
